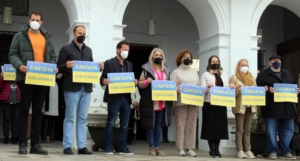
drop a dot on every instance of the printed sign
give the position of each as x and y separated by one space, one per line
86 72
285 92
40 73
192 95
253 95
121 83
9 72
163 90
222 96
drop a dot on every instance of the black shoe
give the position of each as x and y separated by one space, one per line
212 154
68 151
37 149
166 140
6 140
218 154
84 151
22 149
14 140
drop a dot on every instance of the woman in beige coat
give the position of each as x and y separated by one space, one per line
243 114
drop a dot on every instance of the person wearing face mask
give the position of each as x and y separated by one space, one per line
32 43
77 95
117 103
185 114
278 116
214 120
243 113
154 114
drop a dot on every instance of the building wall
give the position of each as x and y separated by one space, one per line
173 21
55 21
279 25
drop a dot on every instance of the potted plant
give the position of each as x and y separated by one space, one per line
97 130
258 135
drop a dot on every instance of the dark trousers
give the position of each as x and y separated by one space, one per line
10 119
33 95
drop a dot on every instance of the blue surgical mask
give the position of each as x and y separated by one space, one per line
276 65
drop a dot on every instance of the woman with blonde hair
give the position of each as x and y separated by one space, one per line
154 114
243 113
185 114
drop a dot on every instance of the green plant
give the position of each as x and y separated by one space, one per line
258 124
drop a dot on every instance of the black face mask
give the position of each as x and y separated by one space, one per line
157 60
186 61
215 66
80 39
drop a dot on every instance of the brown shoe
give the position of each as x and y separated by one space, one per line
152 151
159 152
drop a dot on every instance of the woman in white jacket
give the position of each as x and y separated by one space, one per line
214 123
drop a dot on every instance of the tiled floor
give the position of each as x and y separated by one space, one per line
9 153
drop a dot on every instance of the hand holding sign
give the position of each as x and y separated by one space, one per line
23 68
69 64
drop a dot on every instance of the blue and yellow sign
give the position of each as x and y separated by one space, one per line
285 92
253 95
40 73
192 95
121 83
9 72
86 72
222 96
164 90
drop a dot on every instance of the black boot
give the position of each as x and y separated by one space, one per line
211 148
218 154
37 149
212 154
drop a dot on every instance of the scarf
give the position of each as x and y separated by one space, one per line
159 105
245 78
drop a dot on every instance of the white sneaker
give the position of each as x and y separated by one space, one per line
191 153
250 155
288 157
181 153
241 155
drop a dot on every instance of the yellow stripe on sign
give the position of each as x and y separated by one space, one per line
115 88
254 100
86 77
285 97
192 99
164 95
9 76
40 79
223 101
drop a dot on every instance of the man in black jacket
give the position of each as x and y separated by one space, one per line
32 43
77 95
117 102
278 116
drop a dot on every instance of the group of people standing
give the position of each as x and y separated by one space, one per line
33 43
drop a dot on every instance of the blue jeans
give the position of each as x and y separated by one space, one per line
285 129
122 106
153 135
77 105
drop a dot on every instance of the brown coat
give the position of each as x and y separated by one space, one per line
239 108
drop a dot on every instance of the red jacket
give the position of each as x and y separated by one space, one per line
5 90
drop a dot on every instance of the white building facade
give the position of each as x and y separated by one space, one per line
227 28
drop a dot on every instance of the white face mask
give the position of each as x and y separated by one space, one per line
124 54
244 69
34 25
